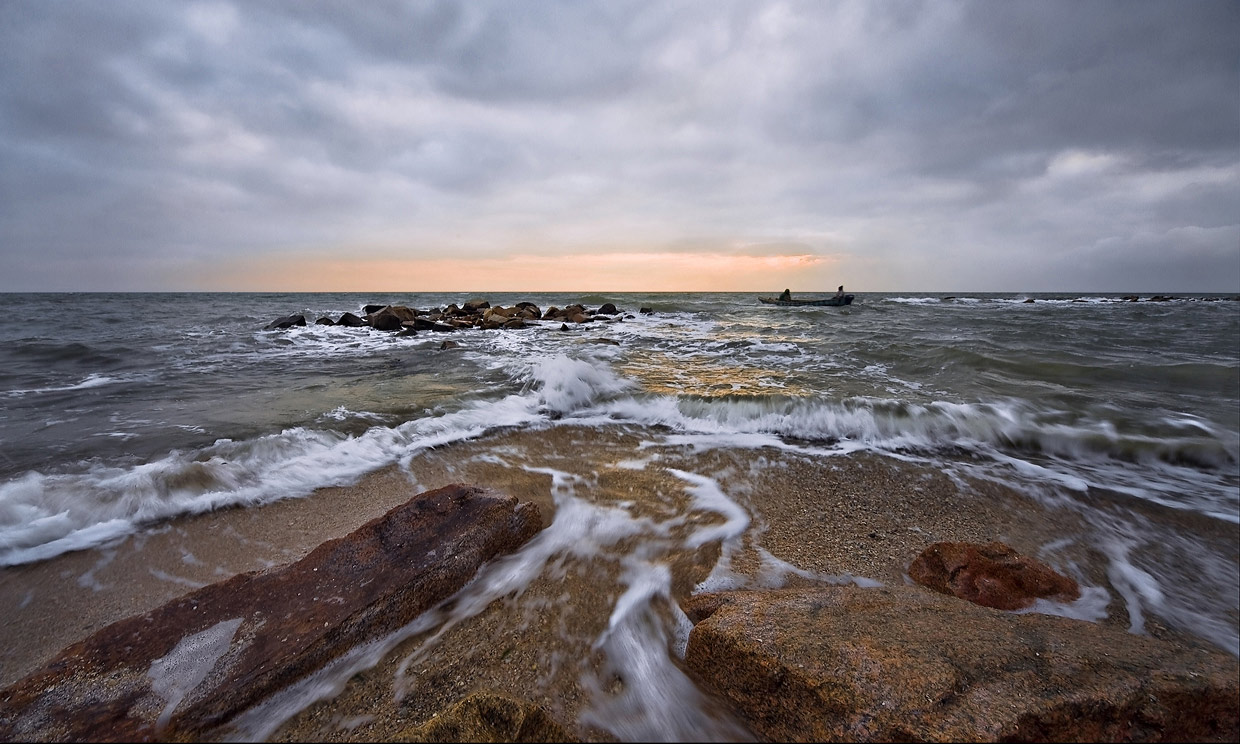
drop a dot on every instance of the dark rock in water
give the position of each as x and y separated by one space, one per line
448 345
606 341
286 322
381 321
564 326
351 320
369 309
191 665
1161 298
426 324
1130 298
407 330
476 306
514 324
391 317
490 717
646 311
905 664
608 309
325 321
992 575
1029 301
529 309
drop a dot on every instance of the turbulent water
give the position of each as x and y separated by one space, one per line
120 411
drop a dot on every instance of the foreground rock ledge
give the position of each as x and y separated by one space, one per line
906 664
197 661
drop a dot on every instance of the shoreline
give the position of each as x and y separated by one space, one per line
858 515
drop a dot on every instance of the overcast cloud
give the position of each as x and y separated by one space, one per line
1001 146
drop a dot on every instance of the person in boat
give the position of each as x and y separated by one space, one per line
840 292
786 296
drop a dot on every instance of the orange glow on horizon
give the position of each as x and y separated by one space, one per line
582 272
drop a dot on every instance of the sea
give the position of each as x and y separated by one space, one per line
121 414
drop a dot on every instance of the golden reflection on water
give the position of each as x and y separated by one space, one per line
661 374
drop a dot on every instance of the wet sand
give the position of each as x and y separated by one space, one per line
859 515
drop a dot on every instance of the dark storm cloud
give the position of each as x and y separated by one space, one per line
1002 145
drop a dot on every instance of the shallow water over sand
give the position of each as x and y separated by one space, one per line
584 619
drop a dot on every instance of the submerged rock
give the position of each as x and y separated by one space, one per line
193 664
426 324
992 575
287 321
905 664
488 717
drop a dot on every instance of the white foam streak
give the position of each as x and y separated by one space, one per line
707 496
175 675
656 701
1091 606
90 381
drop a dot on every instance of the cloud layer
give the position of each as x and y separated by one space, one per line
557 145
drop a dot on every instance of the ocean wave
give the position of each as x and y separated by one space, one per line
44 514
45 352
90 381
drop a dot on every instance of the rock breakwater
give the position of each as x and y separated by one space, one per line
478 314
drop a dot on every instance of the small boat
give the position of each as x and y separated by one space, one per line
828 302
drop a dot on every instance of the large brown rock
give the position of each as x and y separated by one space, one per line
391 317
197 661
992 575
905 664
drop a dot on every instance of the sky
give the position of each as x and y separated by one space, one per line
887 145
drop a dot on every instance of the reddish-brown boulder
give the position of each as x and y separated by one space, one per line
843 663
992 575
197 661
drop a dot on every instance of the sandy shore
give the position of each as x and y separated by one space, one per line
860 515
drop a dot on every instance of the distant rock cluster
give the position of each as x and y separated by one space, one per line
473 314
